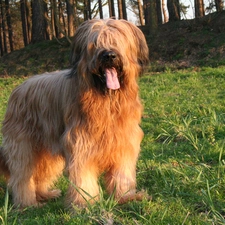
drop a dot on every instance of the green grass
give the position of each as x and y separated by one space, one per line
181 165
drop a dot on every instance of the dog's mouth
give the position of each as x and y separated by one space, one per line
108 71
112 81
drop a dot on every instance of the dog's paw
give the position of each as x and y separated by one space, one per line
43 196
136 196
54 193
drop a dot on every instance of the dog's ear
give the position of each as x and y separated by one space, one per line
77 45
142 47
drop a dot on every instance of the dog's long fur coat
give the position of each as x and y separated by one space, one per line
85 119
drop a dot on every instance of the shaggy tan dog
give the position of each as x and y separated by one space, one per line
85 120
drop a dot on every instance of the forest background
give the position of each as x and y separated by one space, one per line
27 22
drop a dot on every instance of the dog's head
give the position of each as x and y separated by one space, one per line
108 53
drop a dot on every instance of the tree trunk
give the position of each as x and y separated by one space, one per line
146 6
150 11
70 16
165 12
122 13
111 9
1 44
46 24
153 16
24 22
8 20
173 9
65 24
38 21
124 9
29 20
61 25
141 14
219 5
53 19
2 50
100 9
3 28
120 9
85 10
89 9
159 11
199 8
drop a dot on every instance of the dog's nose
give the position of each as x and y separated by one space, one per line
109 56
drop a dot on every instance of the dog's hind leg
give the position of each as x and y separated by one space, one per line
48 168
4 170
20 161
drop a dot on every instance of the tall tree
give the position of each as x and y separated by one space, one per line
8 20
89 10
112 13
1 44
47 27
70 16
159 11
164 12
124 9
24 21
54 27
146 6
153 16
219 5
3 28
85 10
173 9
141 14
100 9
61 22
29 19
199 8
38 21
120 9
150 11
2 50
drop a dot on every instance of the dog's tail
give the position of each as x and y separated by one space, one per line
4 170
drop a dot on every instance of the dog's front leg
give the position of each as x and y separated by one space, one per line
83 186
121 182
121 178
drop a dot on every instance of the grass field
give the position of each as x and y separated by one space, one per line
181 165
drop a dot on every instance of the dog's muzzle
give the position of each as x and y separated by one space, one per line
110 60
109 56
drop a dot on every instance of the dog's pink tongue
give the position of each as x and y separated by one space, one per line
112 81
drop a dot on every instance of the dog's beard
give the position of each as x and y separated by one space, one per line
108 72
